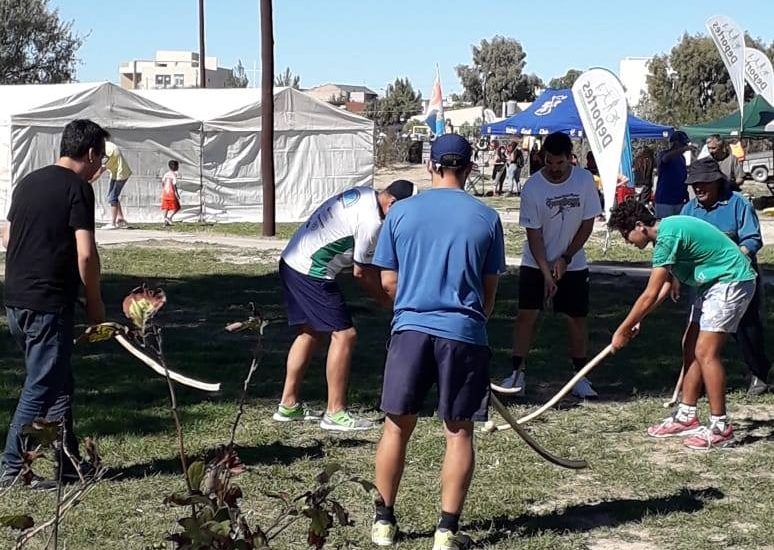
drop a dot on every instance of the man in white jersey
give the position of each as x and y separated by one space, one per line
558 207
341 233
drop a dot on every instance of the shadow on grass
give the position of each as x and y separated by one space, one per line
764 427
585 517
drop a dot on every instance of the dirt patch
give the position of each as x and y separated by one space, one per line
416 173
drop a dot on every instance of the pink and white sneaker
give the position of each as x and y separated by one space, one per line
672 427
710 436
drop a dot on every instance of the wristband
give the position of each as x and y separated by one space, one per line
567 258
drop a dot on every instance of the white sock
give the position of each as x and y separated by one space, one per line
719 421
685 412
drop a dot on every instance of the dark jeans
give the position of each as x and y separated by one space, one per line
750 336
47 342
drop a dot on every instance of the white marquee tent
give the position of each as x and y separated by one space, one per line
32 118
215 134
319 150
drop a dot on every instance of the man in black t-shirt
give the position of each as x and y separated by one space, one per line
50 252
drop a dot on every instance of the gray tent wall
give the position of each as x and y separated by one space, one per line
147 134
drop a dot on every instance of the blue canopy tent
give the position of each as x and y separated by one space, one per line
555 111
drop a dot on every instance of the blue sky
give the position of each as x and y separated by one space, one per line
372 42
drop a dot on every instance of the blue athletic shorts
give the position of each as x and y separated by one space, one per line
416 361
317 303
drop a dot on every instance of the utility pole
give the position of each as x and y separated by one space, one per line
267 117
202 68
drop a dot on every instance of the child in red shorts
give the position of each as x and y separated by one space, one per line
170 199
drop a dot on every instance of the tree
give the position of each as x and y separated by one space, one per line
400 102
496 74
691 84
237 78
288 79
566 81
35 45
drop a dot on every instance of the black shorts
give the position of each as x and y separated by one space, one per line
415 361
572 294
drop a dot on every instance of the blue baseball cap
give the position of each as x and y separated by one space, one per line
451 151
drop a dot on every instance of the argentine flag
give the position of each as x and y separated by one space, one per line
434 114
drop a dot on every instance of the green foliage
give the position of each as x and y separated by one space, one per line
690 84
35 45
400 102
288 79
565 81
471 131
237 78
497 74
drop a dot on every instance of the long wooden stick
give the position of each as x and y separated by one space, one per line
158 369
491 427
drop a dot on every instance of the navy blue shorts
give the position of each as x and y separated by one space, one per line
415 361
317 303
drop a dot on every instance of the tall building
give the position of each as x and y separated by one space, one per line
633 72
171 69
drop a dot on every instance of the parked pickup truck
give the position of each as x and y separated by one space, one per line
760 166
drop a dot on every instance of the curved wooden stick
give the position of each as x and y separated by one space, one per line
158 369
491 427
529 440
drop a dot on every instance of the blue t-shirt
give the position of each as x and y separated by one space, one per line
670 187
441 242
733 215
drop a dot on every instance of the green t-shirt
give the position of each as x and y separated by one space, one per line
699 254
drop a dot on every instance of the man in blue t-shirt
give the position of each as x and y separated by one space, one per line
441 254
671 192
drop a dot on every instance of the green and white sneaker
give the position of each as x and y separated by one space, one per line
383 533
296 413
342 421
446 540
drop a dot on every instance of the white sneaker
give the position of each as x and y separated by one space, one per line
583 389
123 224
109 226
515 382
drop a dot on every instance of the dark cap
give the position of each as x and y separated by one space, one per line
400 189
451 151
680 137
704 170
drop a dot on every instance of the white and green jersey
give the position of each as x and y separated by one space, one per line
342 231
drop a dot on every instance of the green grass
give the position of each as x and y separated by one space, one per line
636 491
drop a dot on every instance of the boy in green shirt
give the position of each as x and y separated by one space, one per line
690 251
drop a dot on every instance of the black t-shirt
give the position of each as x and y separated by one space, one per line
41 265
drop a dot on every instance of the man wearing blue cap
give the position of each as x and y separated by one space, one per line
441 254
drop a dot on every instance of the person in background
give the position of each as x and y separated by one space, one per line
535 159
728 163
498 172
50 252
737 149
170 198
671 193
119 173
644 163
716 203
513 172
